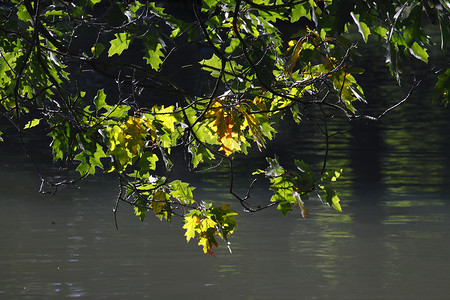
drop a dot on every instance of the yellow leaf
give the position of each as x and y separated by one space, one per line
165 116
229 145
32 123
223 126
207 223
207 240
117 137
134 131
259 103
191 223
206 245
220 123
335 200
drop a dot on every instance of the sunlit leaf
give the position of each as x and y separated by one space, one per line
153 51
331 197
300 10
190 224
229 144
362 27
182 192
120 43
331 175
419 52
165 116
32 123
22 13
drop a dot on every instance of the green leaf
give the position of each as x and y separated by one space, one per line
331 175
22 13
274 169
224 216
140 212
89 160
381 31
283 188
363 29
84 167
302 166
93 2
210 3
32 123
331 197
285 207
117 111
97 49
214 64
176 32
234 44
419 52
442 88
299 11
182 191
58 13
153 51
147 162
95 159
1 139
119 44
412 29
99 100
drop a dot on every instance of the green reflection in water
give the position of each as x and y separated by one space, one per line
423 235
413 203
227 270
406 219
332 217
337 234
415 157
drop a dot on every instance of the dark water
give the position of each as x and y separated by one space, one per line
391 242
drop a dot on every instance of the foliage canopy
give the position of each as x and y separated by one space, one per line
209 82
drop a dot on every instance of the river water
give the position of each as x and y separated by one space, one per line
392 240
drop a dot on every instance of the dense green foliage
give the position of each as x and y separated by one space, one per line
209 82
